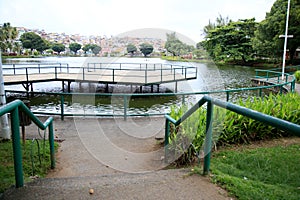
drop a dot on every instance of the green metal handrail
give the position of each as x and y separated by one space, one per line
13 109
273 121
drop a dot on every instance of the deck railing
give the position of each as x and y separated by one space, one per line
289 83
116 72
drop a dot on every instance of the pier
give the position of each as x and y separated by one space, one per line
138 74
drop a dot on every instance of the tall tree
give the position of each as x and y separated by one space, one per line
96 49
146 49
58 47
8 34
177 47
220 21
31 40
87 47
232 41
75 47
267 42
93 47
131 48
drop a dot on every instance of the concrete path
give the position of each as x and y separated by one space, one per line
297 88
117 159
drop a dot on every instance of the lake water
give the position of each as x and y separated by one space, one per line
210 78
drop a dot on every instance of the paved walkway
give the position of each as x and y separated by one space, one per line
297 88
118 159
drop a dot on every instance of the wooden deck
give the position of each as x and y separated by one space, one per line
273 81
104 76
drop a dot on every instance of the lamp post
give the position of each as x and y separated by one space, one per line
285 37
5 130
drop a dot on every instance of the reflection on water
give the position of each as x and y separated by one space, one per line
210 78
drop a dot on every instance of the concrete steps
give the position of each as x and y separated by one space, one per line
163 184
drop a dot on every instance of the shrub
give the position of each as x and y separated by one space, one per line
232 128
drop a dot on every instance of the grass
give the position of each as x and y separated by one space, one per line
7 176
261 173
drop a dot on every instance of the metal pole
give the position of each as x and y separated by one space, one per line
125 107
167 133
285 37
51 144
208 138
17 151
5 130
62 103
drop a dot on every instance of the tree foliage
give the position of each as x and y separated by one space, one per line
31 40
8 35
220 21
75 47
93 47
231 41
131 48
58 47
176 47
146 49
267 42
96 49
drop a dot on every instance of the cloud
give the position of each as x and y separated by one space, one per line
103 17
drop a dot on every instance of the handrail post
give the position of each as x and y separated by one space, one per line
293 86
174 74
208 137
113 75
260 92
125 107
62 103
167 133
51 144
17 152
26 74
146 74
55 72
39 67
83 73
14 66
227 96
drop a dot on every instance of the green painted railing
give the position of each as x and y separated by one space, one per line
273 121
13 108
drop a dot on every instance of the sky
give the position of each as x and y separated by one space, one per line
113 17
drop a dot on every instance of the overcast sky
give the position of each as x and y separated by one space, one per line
112 17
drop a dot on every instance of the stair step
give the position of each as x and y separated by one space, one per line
163 184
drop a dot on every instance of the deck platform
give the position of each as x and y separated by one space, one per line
142 76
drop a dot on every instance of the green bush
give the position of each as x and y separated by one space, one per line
232 128
297 75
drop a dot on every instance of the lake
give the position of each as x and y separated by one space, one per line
209 78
